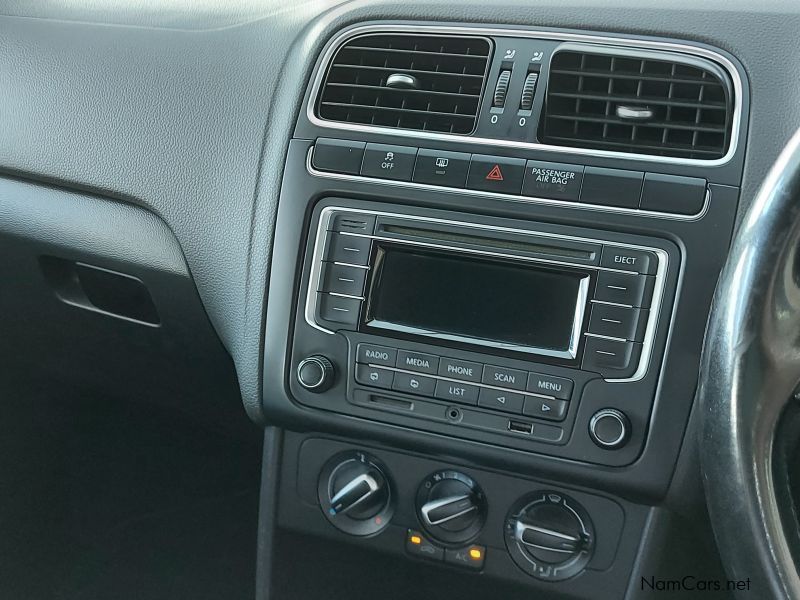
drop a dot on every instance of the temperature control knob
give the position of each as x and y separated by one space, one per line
451 507
315 373
549 536
355 493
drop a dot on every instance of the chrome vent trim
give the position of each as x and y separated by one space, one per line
656 103
418 82
570 153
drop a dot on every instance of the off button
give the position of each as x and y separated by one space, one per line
626 259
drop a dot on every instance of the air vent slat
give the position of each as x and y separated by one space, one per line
428 83
670 106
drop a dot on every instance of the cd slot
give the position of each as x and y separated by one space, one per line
547 248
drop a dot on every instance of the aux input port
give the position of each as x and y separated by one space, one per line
454 414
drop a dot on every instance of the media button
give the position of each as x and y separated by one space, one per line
376 355
510 402
456 392
413 384
389 161
417 361
544 408
441 168
496 174
508 378
460 369
374 376
550 385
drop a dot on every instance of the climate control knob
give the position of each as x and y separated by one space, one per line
315 373
355 493
451 507
549 536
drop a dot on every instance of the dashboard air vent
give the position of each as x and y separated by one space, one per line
640 104
425 82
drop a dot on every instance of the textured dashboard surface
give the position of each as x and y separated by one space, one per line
186 108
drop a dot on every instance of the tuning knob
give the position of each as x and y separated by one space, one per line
316 373
609 428
355 493
451 507
549 536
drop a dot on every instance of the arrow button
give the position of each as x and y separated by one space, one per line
545 408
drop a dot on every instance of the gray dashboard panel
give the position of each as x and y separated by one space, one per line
153 107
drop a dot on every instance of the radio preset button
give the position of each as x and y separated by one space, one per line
510 402
618 321
550 385
509 378
417 361
628 259
343 279
611 358
338 309
460 369
350 249
414 384
389 162
456 392
623 288
376 355
544 408
374 376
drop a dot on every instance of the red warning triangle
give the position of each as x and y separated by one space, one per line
495 174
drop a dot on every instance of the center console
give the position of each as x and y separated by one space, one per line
494 257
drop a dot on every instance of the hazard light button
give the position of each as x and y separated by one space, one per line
496 174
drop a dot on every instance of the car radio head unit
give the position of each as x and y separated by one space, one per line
480 325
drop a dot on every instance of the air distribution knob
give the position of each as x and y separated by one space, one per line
355 493
451 507
316 373
609 428
549 536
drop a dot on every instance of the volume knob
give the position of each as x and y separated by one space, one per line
609 428
316 373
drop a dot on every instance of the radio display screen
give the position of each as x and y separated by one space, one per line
508 304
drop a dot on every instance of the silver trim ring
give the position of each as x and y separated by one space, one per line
600 41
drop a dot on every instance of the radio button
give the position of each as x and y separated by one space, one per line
622 288
416 361
460 369
338 309
350 249
544 408
376 355
618 321
413 384
550 385
499 400
509 378
374 376
611 358
342 279
627 259
456 392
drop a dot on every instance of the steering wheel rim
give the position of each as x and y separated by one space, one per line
749 373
